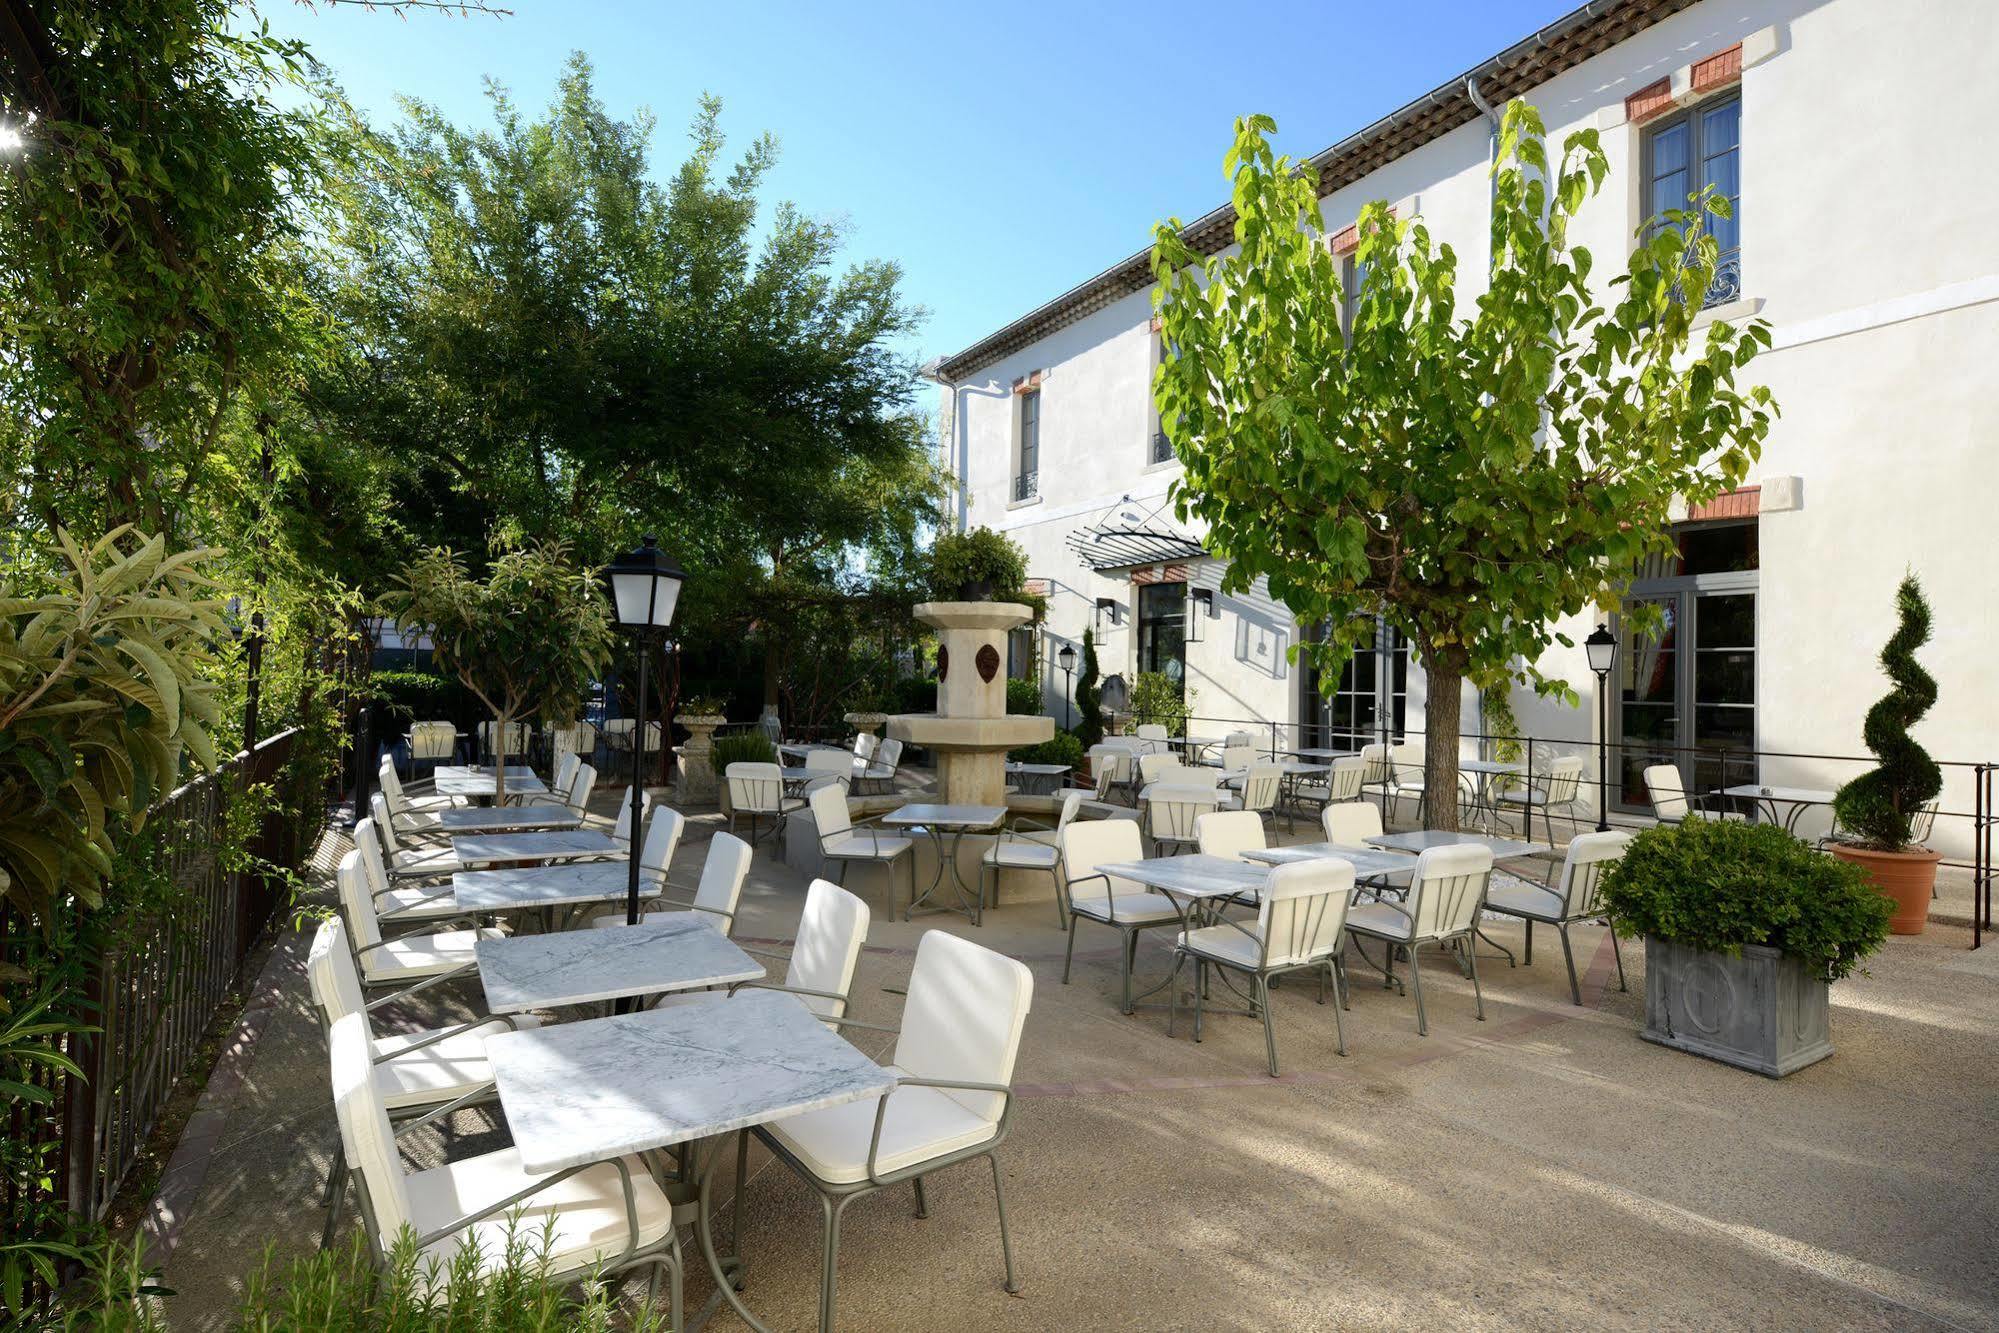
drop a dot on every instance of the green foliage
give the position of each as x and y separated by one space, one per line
1089 695
741 747
1156 698
527 641
1875 808
149 277
703 705
913 694
990 562
403 697
1023 696
1469 468
101 691
1717 885
1062 748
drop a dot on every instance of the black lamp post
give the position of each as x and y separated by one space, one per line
1066 659
1601 646
645 587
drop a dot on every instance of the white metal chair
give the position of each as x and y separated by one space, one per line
1230 833
1238 757
1343 779
1114 768
1170 813
1350 823
561 788
599 1220
1300 915
416 819
416 1070
1012 851
399 904
830 767
755 790
1670 802
865 744
1560 788
718 893
953 1100
402 862
1153 736
842 840
1262 787
824 953
1445 894
1094 896
1574 896
432 743
579 739
406 958
499 748
882 767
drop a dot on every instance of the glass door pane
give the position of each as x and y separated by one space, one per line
1724 690
1648 712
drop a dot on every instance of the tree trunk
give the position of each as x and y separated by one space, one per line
1440 744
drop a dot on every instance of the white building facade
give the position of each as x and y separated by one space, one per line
1854 136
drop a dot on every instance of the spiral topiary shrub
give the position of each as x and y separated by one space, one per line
1875 808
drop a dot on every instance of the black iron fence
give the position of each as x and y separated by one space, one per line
153 995
1965 818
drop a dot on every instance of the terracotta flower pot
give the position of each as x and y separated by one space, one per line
1908 878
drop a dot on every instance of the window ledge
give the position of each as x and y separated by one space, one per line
1023 504
1741 308
1166 466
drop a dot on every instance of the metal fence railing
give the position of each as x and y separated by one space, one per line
154 994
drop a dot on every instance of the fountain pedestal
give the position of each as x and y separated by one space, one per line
971 732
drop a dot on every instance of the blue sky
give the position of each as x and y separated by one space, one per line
1001 153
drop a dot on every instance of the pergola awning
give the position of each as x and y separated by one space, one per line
1125 540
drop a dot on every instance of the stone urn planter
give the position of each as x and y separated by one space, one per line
697 775
1763 1011
867 723
1907 877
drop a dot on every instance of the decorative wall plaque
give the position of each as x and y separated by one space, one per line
988 663
943 661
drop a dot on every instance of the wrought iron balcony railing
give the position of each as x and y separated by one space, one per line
1026 485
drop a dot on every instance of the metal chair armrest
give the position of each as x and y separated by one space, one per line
908 1081
624 1179
424 984
512 1022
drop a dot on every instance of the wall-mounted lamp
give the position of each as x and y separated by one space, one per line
1107 607
1200 607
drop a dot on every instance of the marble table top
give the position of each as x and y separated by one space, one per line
583 1092
1048 770
1789 795
518 887
507 818
556 845
466 780
683 952
1194 876
1191 794
1367 861
946 816
1489 766
1321 752
1424 839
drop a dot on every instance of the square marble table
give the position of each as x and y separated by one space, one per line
940 822
485 849
1037 779
1767 799
526 888
467 780
1367 861
508 818
1424 839
583 1092
683 952
1196 876
1320 752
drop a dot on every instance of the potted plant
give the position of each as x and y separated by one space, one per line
977 566
1873 812
1745 927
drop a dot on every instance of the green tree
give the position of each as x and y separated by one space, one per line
1473 469
1875 808
527 640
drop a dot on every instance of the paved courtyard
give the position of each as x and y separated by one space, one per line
1544 1168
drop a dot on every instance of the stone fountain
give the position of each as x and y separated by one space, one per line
971 732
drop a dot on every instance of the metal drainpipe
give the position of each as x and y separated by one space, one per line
934 372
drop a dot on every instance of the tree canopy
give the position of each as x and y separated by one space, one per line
1472 469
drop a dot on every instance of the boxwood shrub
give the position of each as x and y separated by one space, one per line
1717 885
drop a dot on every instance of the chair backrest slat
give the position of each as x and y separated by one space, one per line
962 1021
1260 788
831 932
1343 783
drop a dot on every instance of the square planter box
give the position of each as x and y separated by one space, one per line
1763 1011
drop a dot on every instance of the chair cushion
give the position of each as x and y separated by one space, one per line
1518 897
587 1210
1223 944
438 1072
862 846
921 1124
1021 855
416 956
1127 908
416 904
429 861
1379 919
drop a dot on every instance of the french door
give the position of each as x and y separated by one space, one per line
1686 687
